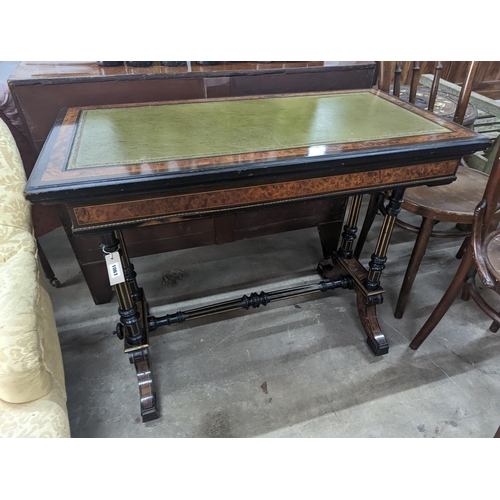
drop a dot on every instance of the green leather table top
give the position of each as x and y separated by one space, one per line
169 132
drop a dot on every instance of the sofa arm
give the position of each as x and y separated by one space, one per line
32 388
46 417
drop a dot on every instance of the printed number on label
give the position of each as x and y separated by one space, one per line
115 270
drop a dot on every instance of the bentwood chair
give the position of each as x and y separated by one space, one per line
453 203
481 257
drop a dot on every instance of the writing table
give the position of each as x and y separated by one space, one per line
113 167
41 88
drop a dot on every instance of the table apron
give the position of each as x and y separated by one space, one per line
159 208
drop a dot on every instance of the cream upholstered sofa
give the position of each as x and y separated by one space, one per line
32 389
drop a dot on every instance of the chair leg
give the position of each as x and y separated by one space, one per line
411 271
465 292
376 199
446 300
47 268
461 250
494 327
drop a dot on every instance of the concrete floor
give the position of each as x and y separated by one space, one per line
321 378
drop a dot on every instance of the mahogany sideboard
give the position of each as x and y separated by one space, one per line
42 89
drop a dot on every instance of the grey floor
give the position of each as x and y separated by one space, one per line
297 368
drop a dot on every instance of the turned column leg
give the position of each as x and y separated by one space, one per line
368 298
350 228
128 269
366 283
376 200
379 256
345 250
133 326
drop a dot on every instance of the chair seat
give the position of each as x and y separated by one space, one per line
492 254
453 202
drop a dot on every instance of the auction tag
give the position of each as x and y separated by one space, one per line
115 269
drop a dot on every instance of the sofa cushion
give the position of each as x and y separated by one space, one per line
15 211
30 353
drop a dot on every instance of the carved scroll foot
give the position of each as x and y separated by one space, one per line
367 301
368 315
149 403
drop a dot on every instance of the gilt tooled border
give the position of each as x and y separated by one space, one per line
73 164
58 156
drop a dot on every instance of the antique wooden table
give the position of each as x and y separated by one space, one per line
40 89
114 167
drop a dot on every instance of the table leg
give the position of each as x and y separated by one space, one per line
366 283
136 293
149 404
46 267
350 229
367 303
379 256
133 325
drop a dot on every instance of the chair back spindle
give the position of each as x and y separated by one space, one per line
435 86
384 76
397 80
393 73
465 93
414 81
